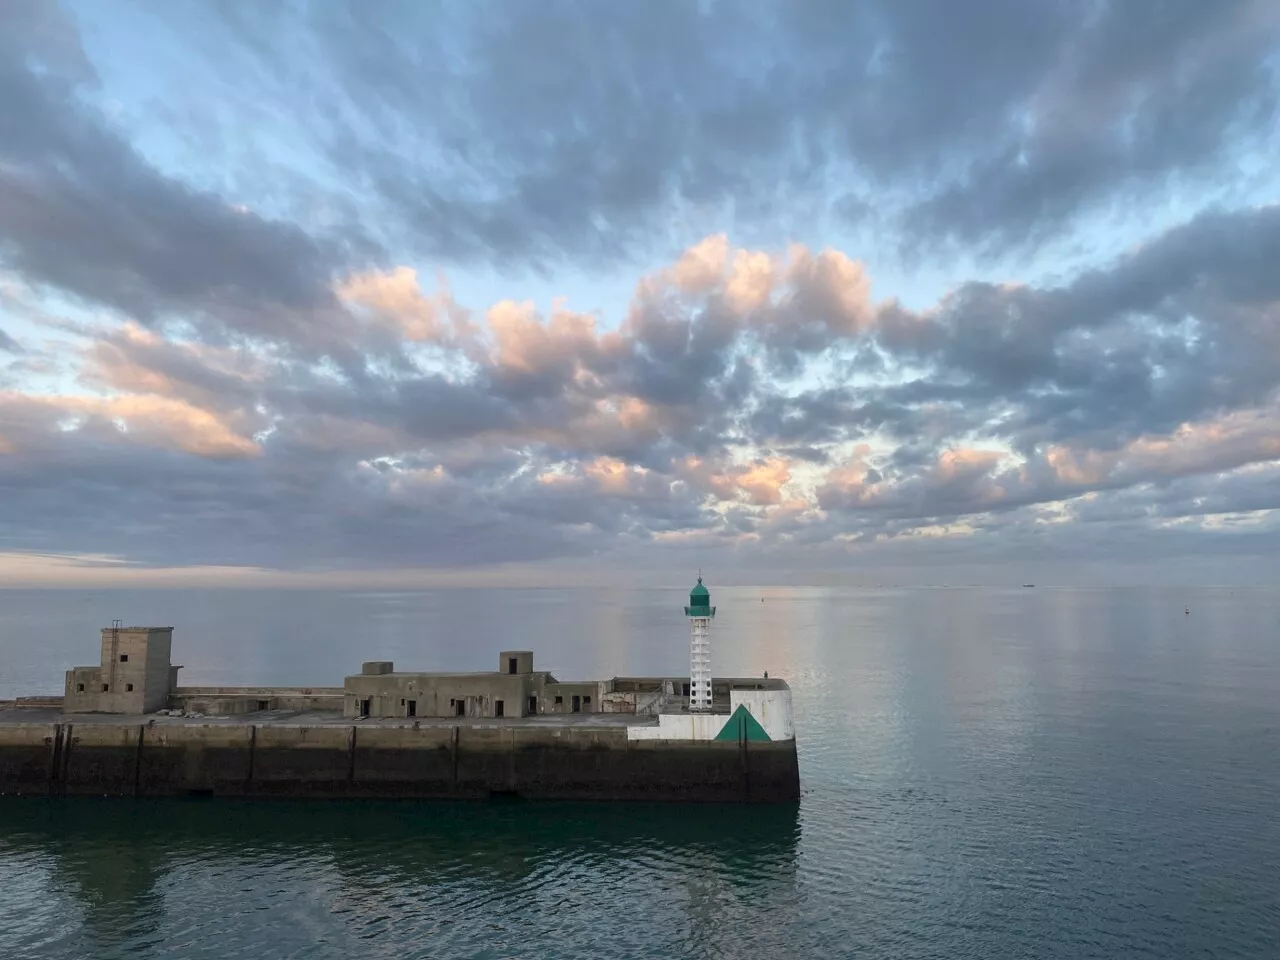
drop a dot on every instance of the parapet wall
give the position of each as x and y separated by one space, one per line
335 760
769 711
234 701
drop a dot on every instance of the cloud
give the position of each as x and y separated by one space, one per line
565 133
256 354
130 419
82 211
575 439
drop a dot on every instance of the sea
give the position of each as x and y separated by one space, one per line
986 773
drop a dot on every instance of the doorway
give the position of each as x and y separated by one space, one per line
460 708
497 708
364 708
533 706
577 703
512 664
412 708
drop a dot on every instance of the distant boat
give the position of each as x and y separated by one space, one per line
1028 584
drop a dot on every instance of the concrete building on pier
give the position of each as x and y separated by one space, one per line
515 689
134 674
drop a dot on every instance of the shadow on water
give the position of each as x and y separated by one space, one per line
497 836
119 860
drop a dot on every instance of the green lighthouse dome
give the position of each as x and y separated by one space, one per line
699 602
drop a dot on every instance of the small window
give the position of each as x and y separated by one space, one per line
497 708
512 663
586 699
264 704
559 700
106 688
79 688
128 688
124 658
402 701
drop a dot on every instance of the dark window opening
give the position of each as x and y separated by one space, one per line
533 706
79 688
412 706
460 708
124 658
586 699
264 704
128 688
402 701
559 701
497 708
106 688
686 690
512 663
364 708
577 703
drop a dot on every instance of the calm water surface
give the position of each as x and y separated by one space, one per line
986 774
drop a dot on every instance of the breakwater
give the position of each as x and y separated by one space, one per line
143 756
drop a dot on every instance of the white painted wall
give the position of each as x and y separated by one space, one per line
680 726
772 708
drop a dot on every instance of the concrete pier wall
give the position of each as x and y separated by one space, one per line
128 758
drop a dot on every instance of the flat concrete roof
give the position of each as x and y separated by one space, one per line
19 715
767 683
455 673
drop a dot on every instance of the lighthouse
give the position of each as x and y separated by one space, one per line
700 613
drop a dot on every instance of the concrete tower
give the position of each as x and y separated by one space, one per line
700 612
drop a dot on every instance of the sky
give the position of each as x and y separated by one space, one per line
395 293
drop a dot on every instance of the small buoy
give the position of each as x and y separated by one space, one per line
1187 611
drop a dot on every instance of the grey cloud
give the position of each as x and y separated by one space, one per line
297 508
562 131
83 212
1108 356
275 513
1142 91
1110 366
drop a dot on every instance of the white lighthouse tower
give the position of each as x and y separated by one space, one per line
700 613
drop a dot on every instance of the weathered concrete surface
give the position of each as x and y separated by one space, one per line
319 755
220 701
29 761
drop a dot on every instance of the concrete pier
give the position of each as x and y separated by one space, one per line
124 727
318 754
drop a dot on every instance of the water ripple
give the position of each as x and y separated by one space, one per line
1018 774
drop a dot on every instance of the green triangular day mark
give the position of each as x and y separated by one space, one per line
742 726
